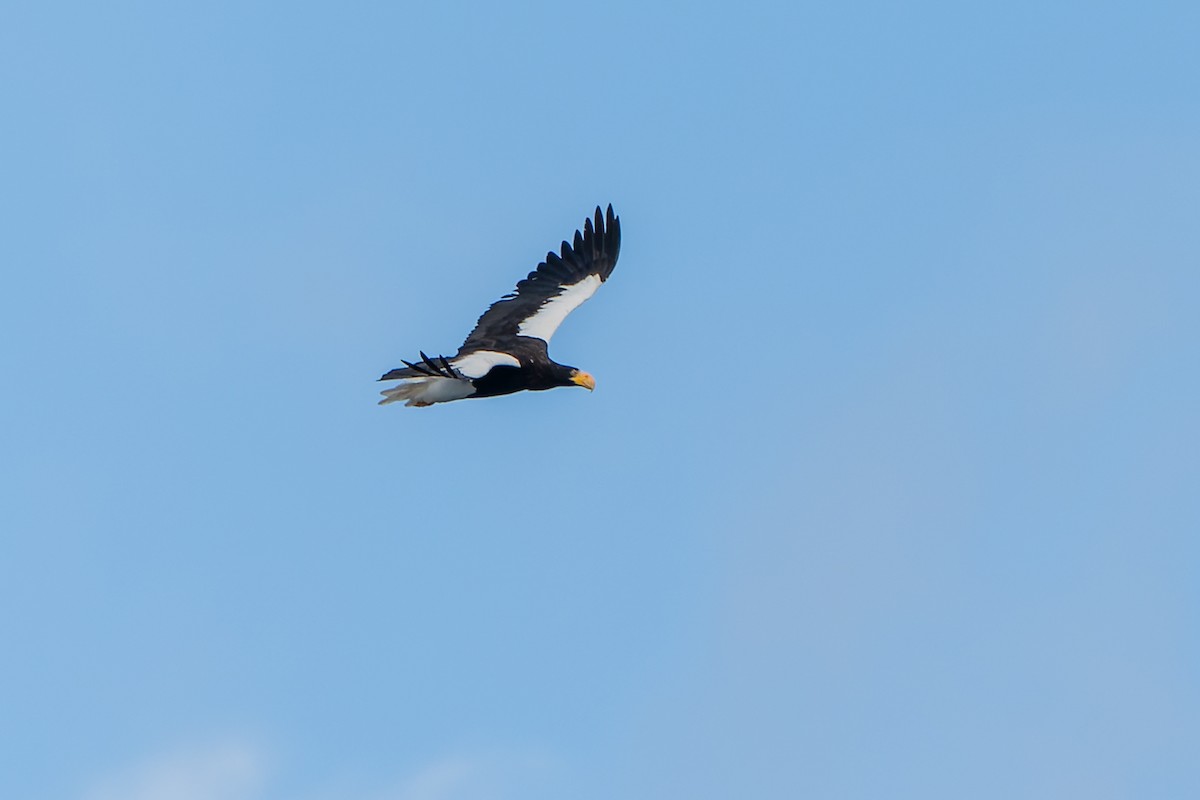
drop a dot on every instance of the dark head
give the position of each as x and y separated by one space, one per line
569 376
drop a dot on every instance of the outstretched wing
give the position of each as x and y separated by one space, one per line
558 286
470 366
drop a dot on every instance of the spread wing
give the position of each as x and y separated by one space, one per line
558 286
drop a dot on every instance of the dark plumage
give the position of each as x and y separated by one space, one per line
507 350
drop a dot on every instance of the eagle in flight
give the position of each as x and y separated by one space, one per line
507 351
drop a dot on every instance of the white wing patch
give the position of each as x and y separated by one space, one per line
480 363
549 316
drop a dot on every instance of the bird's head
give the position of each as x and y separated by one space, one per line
581 378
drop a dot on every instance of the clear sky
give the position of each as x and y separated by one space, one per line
888 488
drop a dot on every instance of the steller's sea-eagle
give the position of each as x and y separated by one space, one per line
507 351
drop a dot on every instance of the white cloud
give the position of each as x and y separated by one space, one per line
474 778
222 772
239 772
442 780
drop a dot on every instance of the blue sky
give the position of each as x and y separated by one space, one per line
888 487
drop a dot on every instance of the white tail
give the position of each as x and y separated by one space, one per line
427 391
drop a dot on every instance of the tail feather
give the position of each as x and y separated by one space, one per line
425 391
408 390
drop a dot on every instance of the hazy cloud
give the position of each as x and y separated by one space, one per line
239 772
222 772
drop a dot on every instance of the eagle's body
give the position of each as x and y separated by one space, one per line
507 350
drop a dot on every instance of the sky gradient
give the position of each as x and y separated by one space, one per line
887 489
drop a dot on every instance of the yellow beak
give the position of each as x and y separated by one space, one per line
580 378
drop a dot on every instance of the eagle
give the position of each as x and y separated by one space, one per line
507 350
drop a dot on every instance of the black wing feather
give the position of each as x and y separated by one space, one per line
426 368
594 252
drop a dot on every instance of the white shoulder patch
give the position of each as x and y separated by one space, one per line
549 316
480 363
